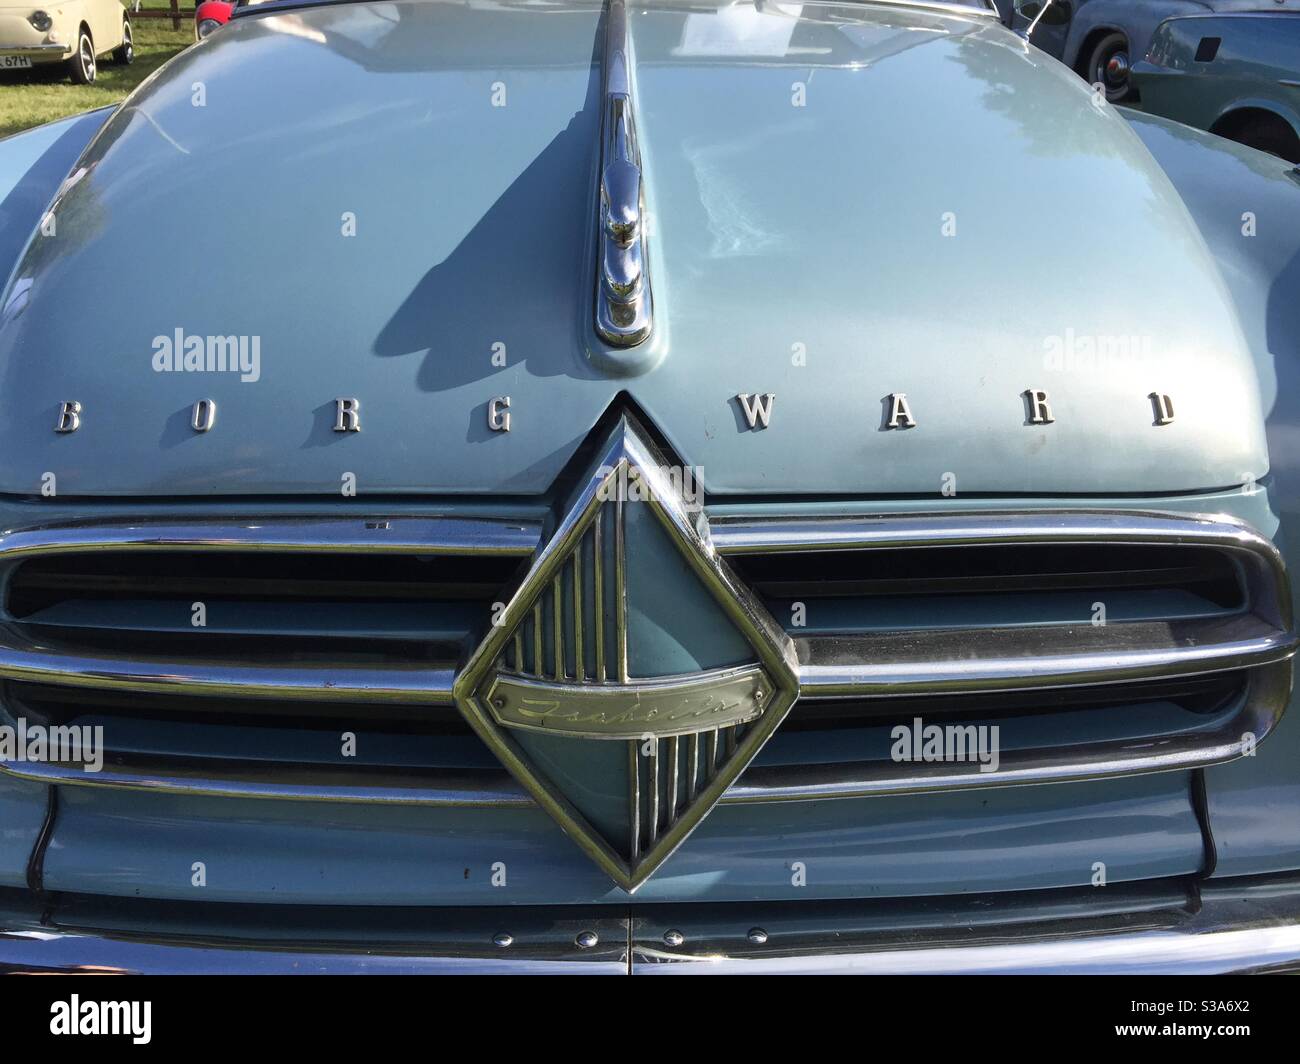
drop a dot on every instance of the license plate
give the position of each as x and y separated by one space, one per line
15 62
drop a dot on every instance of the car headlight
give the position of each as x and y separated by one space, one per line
206 26
40 20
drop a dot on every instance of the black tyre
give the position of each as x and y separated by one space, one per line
1271 135
1108 65
124 54
81 67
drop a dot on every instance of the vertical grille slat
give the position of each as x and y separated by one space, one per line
652 787
634 782
598 585
579 608
557 623
620 591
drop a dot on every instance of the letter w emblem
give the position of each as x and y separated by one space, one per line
757 408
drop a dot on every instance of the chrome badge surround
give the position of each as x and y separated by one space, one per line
723 716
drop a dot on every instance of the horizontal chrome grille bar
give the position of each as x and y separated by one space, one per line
733 535
1005 659
479 789
995 659
424 684
305 535
1221 740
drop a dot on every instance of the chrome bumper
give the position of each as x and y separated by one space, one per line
39 52
1232 926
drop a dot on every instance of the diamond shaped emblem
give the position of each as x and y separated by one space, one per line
631 677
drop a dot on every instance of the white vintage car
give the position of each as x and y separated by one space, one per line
74 33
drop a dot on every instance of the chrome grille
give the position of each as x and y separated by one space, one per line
926 614
1249 625
372 610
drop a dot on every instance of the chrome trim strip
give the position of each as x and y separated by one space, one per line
462 788
624 301
939 6
1243 925
521 940
1007 659
74 952
736 535
34 51
1257 713
428 683
1223 739
1249 925
373 534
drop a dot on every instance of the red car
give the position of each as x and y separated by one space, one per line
210 15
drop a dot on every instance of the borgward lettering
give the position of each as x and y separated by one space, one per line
675 705
757 410
540 710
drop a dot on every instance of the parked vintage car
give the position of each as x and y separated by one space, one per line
211 15
1235 74
1101 39
74 32
614 518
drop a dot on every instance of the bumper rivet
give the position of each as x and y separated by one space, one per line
586 939
757 936
673 938
503 939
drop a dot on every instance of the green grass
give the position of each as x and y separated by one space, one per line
28 98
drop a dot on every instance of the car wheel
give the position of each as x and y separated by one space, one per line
126 53
1109 66
1271 135
82 63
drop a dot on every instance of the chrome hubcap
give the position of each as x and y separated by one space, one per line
87 58
1114 71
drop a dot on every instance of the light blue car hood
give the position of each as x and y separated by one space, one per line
846 201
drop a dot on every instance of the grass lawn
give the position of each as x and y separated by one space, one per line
28 98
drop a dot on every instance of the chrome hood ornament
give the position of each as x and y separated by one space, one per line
631 678
624 303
